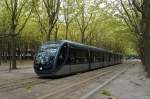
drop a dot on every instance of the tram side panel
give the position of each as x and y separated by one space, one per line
79 60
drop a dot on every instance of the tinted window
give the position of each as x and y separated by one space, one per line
92 57
49 48
77 56
99 56
72 55
46 53
81 56
62 55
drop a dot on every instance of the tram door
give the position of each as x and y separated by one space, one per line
62 56
63 60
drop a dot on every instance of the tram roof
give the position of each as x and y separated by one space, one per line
82 46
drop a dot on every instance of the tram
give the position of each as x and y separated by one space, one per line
63 57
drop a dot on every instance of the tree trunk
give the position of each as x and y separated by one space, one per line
0 56
49 34
146 49
56 36
82 37
146 33
56 33
0 50
13 45
48 37
49 30
66 36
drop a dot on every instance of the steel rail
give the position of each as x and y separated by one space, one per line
72 85
86 96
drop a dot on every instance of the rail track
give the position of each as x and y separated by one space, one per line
9 85
78 85
21 83
69 90
12 84
92 92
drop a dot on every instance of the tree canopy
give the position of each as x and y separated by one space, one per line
92 22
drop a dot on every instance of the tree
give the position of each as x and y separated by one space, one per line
69 14
136 14
86 21
15 9
145 30
47 16
56 31
83 19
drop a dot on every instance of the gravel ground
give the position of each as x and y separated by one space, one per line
23 64
23 72
39 87
133 84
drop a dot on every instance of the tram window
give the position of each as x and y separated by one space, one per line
62 55
102 56
96 56
105 57
77 56
92 58
71 58
81 56
116 57
109 57
99 57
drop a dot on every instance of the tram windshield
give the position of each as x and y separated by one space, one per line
47 53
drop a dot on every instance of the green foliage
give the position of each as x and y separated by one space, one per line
104 29
106 93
